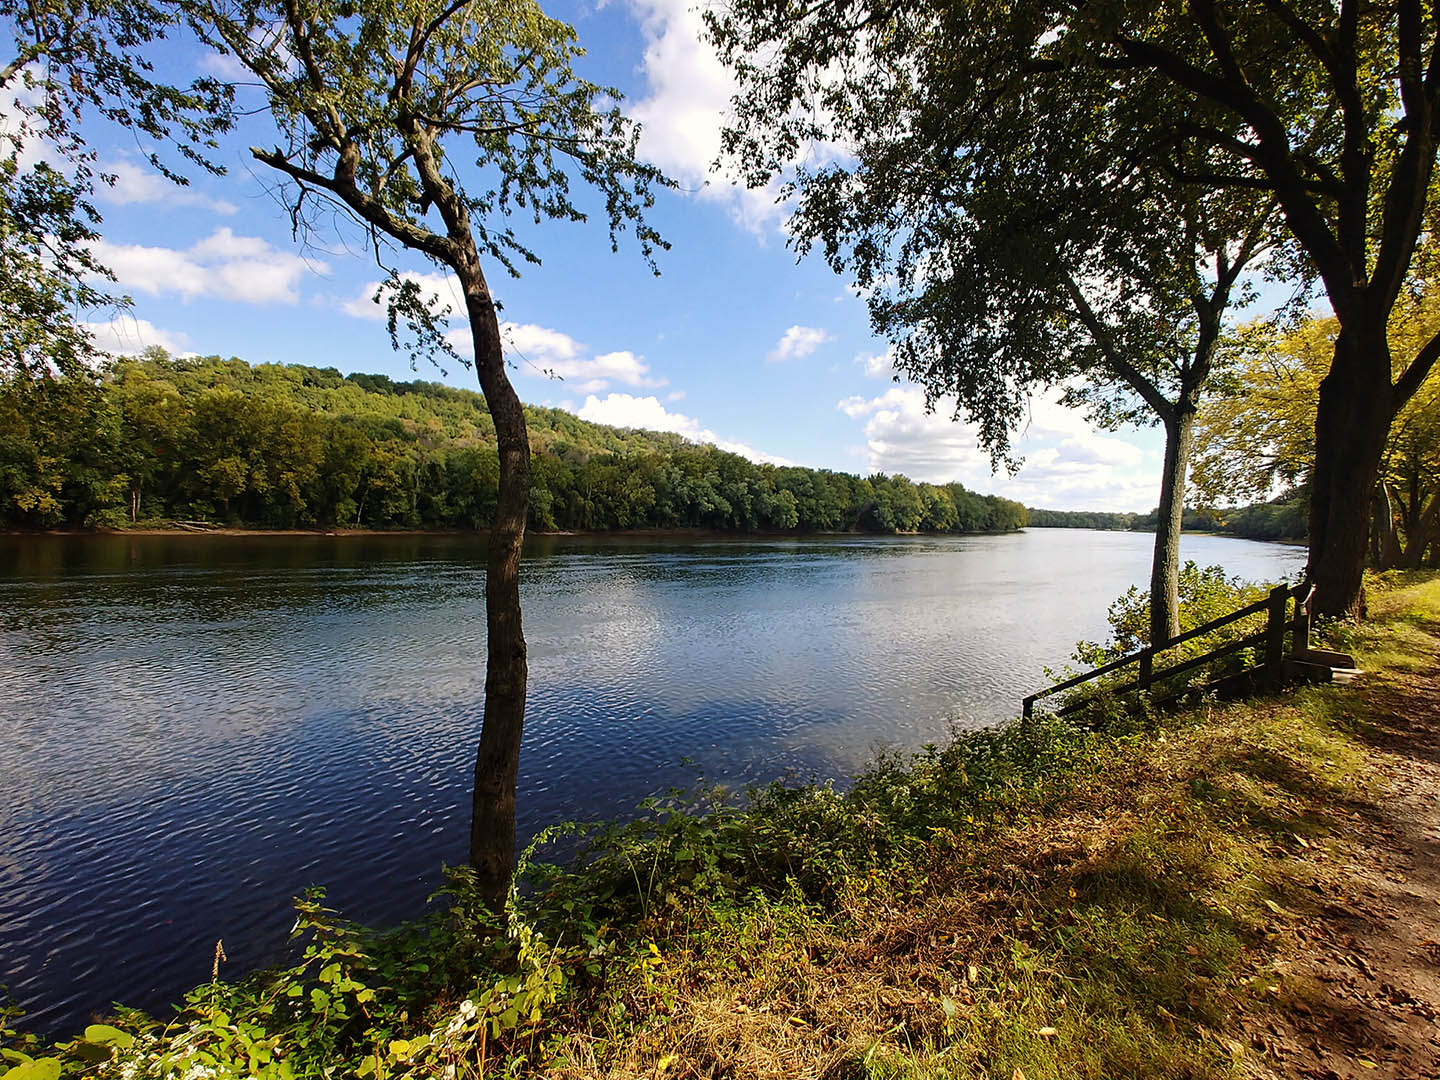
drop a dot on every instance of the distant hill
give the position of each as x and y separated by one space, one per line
1285 518
1080 519
270 445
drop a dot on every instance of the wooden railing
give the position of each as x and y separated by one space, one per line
1272 667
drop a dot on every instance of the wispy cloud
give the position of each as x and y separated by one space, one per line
647 413
796 342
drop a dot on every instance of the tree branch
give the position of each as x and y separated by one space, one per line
1417 372
369 209
1273 155
1100 334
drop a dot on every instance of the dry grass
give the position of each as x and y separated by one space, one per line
1137 928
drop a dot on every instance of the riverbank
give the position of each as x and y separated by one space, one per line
186 529
1206 894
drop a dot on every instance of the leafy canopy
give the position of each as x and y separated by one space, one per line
1009 231
63 63
898 126
373 100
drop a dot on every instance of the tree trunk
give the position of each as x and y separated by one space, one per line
497 759
1423 534
1169 520
1352 422
1384 533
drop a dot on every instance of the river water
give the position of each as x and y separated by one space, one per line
196 728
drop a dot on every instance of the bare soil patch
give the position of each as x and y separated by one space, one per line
1371 959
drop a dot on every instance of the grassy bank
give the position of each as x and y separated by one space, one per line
1040 901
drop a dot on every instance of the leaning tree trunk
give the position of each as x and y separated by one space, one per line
1352 423
1169 520
1384 539
1425 532
497 758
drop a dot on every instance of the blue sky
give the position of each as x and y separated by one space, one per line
735 343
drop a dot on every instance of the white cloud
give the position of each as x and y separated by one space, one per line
126 335
223 265
223 66
224 244
539 344
1068 464
878 365
585 374
135 184
537 351
627 411
796 342
435 286
690 92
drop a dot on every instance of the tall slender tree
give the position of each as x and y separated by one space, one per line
373 104
1331 109
975 229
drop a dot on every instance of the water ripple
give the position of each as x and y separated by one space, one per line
198 728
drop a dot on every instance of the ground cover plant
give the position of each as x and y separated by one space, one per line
1043 900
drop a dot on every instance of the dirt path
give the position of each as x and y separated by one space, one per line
1373 962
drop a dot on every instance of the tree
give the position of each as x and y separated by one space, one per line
1259 434
1332 110
68 60
995 263
371 103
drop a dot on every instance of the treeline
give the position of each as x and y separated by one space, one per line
1079 519
1285 518
271 445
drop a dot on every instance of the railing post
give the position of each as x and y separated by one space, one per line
1147 669
1275 636
1301 639
1029 706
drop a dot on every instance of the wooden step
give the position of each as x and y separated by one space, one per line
1300 668
1325 656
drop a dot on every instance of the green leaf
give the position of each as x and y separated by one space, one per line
107 1035
39 1069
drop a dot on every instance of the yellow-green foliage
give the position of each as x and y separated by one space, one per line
274 445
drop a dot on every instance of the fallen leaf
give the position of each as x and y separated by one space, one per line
1276 908
1367 1063
1048 1032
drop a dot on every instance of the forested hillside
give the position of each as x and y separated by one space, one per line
1282 518
283 446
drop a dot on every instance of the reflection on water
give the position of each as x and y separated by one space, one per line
196 728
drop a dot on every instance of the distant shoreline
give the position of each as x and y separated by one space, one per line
654 534
233 531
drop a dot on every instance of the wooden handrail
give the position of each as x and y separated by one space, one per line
1175 669
1275 603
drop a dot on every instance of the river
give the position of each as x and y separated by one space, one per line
196 728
